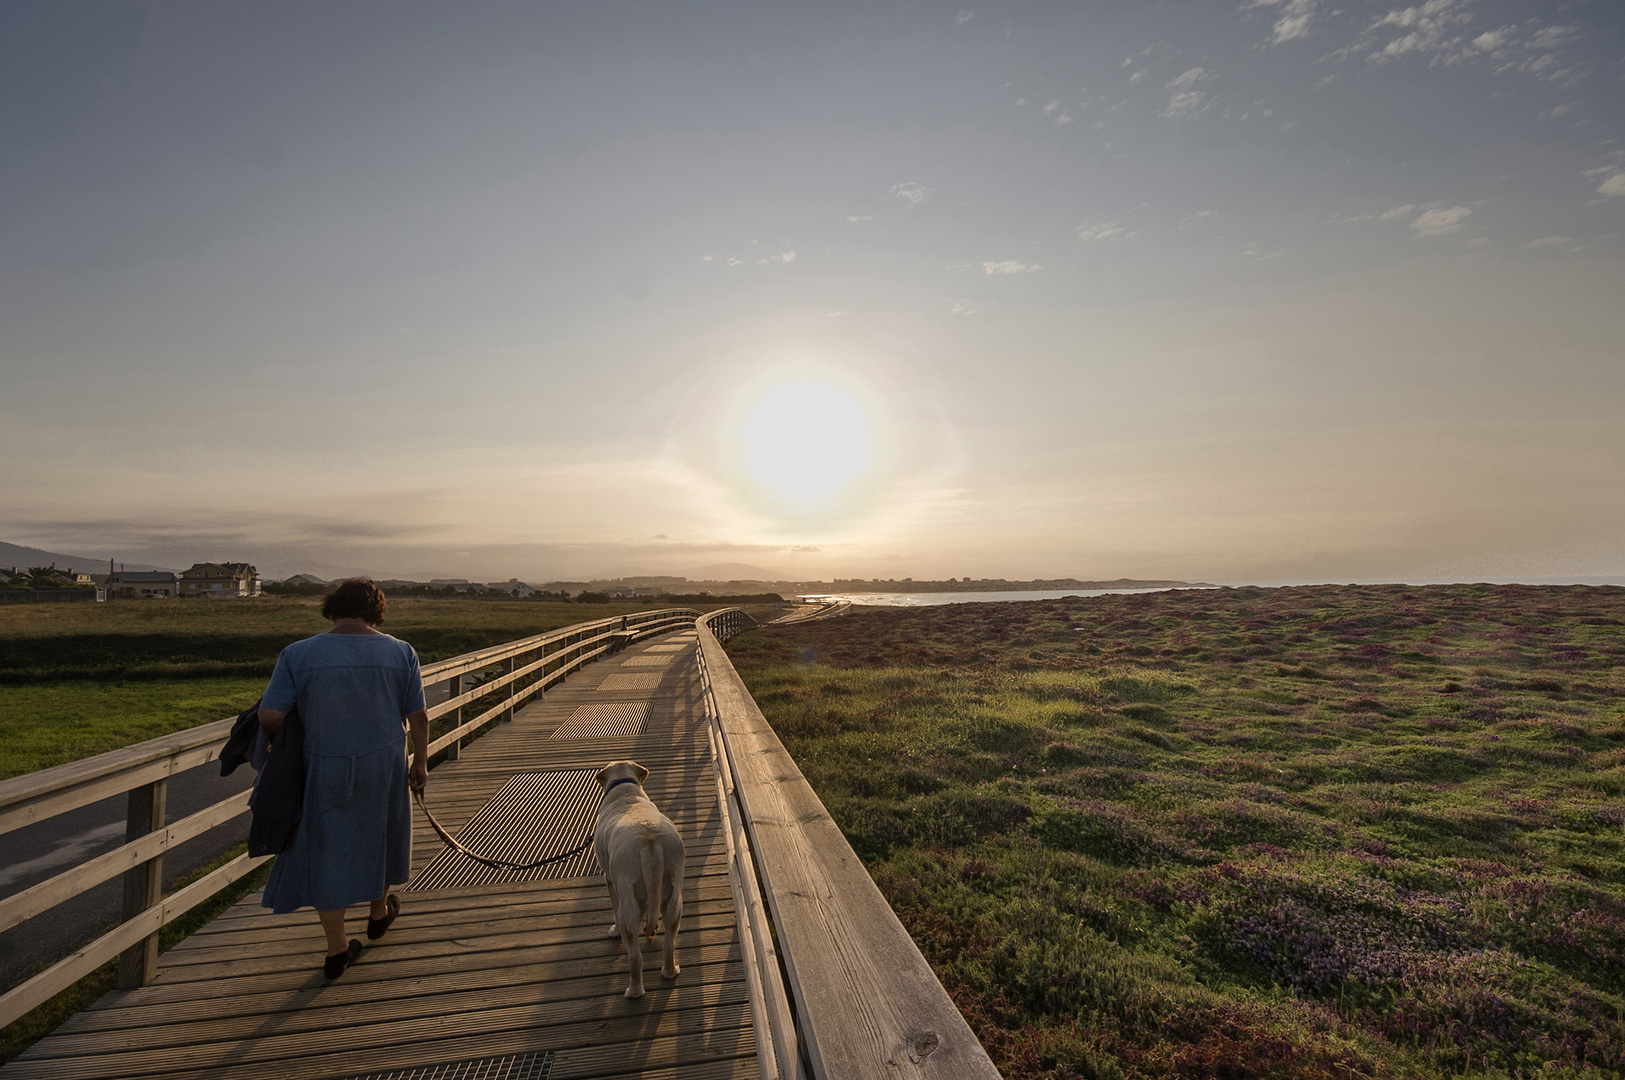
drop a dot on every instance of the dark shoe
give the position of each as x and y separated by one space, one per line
376 928
335 965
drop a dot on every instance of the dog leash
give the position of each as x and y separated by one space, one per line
495 864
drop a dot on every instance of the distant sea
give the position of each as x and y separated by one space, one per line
925 599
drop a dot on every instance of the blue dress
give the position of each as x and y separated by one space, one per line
355 838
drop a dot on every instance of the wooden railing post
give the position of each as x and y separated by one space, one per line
143 884
513 688
454 686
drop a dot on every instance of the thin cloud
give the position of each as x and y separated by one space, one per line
1440 222
1094 234
781 258
1442 32
1188 80
1294 20
964 17
1549 241
1614 185
858 219
1010 266
911 193
1187 101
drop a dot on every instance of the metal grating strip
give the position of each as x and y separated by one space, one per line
630 682
536 1065
598 721
647 661
534 815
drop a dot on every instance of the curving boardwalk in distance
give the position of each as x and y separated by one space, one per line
480 977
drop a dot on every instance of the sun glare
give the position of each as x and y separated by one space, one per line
805 444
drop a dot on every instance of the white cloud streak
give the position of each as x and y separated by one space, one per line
911 193
1010 266
1294 20
1094 234
1440 222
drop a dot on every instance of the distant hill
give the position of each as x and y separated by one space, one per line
20 556
731 571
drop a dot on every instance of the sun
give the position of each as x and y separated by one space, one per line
806 443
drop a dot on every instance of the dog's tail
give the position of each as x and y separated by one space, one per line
654 876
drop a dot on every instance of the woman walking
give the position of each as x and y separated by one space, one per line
354 686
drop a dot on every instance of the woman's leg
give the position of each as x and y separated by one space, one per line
333 927
378 909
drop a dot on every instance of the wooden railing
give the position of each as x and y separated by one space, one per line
859 999
518 670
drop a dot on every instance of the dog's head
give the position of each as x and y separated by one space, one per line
621 770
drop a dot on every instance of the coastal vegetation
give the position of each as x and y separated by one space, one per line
1304 832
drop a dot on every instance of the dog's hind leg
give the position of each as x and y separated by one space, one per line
615 908
654 876
672 916
634 958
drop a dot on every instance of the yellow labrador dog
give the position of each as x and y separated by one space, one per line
642 858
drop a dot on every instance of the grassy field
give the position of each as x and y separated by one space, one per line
82 679
1309 832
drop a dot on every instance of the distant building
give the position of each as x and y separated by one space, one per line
143 585
216 580
512 587
59 579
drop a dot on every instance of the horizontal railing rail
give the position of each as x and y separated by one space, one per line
777 1044
143 770
824 609
866 1003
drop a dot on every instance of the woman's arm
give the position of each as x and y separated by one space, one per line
271 720
418 775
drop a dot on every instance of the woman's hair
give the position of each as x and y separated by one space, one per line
358 598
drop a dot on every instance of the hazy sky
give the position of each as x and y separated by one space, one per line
1270 289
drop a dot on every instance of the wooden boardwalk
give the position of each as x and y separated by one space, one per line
468 973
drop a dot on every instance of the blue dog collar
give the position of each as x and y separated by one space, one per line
622 780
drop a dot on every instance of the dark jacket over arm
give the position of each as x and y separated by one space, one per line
279 795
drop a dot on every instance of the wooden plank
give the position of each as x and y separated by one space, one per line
868 1003
560 996
769 1004
291 987
561 925
391 979
577 1026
